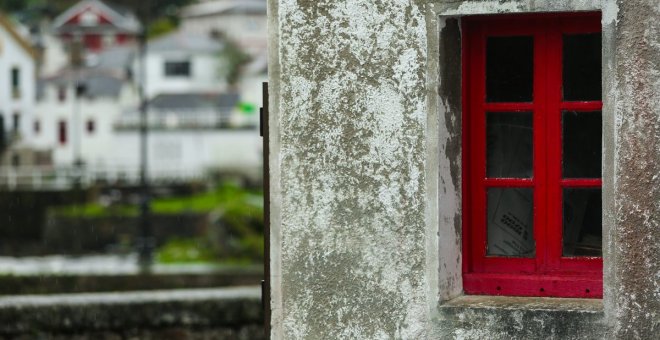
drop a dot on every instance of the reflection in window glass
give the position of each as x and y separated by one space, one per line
581 144
582 222
509 69
510 222
582 67
509 144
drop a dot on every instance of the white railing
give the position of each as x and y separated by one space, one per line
176 119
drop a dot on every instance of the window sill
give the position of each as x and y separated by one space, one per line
505 317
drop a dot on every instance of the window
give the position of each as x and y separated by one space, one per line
177 68
15 82
15 160
91 126
61 93
37 126
16 121
532 162
62 132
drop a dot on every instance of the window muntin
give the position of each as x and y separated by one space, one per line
537 200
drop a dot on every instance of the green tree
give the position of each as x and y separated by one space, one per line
232 59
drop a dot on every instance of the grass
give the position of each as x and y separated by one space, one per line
227 197
241 216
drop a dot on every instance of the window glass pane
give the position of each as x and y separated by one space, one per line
510 222
582 67
509 144
177 68
582 222
509 69
581 144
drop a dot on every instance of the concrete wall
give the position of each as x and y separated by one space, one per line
631 172
365 173
348 106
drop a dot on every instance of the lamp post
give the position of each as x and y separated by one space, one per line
78 91
146 242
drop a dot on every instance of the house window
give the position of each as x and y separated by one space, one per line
177 68
62 132
532 181
15 160
61 93
16 121
91 126
15 82
37 126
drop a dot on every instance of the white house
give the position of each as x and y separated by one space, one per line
17 85
182 61
79 124
242 21
98 25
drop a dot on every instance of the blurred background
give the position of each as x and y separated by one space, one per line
130 155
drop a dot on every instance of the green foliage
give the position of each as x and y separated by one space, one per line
91 210
160 27
227 196
232 59
179 250
235 232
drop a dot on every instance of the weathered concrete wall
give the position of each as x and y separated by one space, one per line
498 317
351 126
632 168
231 313
366 202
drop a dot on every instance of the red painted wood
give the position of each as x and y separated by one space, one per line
548 273
122 38
533 285
581 106
508 107
508 182
581 183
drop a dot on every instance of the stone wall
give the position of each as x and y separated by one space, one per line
230 313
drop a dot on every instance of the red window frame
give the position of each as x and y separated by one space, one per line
548 273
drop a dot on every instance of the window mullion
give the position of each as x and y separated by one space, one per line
554 143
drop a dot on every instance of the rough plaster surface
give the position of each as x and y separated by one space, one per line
632 276
493 317
449 131
352 120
